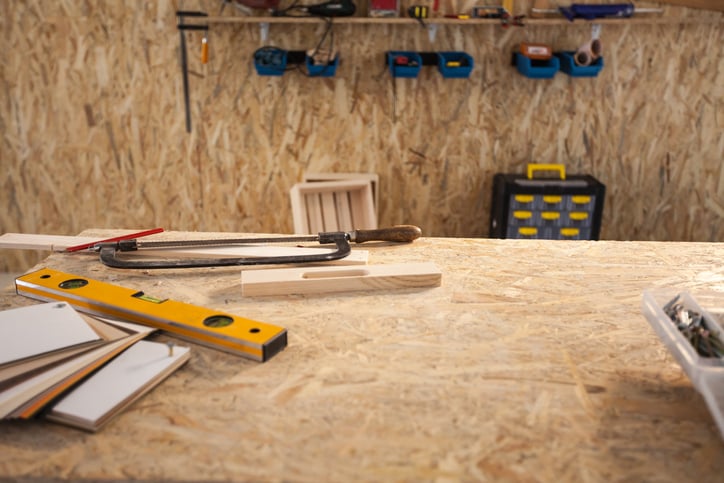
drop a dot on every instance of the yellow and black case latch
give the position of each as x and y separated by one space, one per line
249 338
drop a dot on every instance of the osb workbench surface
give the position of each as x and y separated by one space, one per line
532 362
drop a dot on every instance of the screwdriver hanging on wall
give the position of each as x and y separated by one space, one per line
204 49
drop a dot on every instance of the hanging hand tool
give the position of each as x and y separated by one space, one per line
594 11
418 12
109 252
508 20
504 13
182 28
204 49
488 11
328 9
332 8
536 51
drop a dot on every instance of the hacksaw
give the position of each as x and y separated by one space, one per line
61 243
111 254
238 335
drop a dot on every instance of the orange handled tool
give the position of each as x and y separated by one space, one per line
204 50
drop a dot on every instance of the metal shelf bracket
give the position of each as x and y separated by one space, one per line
432 31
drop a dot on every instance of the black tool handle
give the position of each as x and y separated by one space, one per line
397 233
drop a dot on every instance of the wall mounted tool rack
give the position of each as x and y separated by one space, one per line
452 64
559 62
265 21
194 20
433 23
291 57
286 58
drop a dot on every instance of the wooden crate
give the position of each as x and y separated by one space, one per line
332 206
373 178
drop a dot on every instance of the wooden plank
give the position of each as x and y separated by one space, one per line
356 211
703 4
315 220
344 215
317 280
329 212
299 209
373 178
433 21
363 215
52 243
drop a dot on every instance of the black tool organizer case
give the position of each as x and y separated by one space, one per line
562 208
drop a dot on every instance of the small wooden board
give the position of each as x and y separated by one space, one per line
703 4
316 280
32 241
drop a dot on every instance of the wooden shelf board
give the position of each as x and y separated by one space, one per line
644 19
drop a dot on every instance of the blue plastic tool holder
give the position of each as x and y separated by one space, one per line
412 67
569 66
536 69
321 70
270 61
459 72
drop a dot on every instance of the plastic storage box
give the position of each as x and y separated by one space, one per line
404 63
455 64
321 70
561 208
536 69
569 66
705 373
270 61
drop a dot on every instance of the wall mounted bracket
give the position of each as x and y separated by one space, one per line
264 30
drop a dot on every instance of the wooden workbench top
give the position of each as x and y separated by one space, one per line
532 362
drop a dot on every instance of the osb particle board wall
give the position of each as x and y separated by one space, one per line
92 116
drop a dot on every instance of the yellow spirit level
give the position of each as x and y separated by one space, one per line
230 333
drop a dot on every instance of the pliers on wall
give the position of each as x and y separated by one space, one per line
506 20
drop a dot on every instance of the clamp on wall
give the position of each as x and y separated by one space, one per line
182 27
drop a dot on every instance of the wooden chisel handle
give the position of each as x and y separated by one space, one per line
397 233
